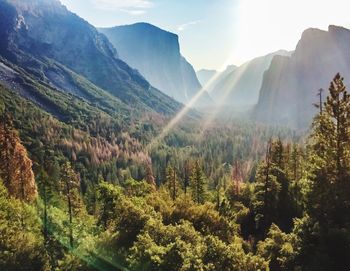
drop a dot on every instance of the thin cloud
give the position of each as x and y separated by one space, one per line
184 26
133 7
134 12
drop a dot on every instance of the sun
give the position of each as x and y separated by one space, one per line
265 26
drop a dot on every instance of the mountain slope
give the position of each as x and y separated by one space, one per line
41 32
155 53
205 76
241 86
290 85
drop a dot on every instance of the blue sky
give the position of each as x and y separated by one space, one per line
216 33
205 27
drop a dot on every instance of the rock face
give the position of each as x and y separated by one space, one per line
290 85
240 87
155 53
35 33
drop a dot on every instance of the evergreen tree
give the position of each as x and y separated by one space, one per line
187 176
172 182
70 186
273 201
198 184
295 173
44 189
329 200
266 193
326 233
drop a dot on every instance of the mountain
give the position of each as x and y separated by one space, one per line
155 53
59 48
205 76
291 84
241 86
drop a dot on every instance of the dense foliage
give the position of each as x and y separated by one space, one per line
232 197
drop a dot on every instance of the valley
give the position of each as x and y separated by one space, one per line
115 154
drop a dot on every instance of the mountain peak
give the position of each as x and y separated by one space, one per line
155 53
312 32
319 55
336 29
144 26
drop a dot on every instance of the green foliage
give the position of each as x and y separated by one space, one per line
279 248
111 208
197 183
325 233
266 197
21 242
108 198
172 182
180 247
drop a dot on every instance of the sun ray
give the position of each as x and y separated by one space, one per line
189 106
218 106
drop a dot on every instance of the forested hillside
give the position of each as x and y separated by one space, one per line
235 199
60 49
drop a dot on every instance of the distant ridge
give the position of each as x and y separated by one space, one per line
155 53
240 87
291 83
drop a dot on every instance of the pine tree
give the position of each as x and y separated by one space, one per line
187 176
277 153
295 171
266 195
198 184
329 200
70 186
172 182
326 234
43 181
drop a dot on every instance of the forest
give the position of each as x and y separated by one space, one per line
88 194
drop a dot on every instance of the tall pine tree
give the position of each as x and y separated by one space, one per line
198 184
327 238
70 186
172 182
329 200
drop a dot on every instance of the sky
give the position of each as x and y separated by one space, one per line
217 33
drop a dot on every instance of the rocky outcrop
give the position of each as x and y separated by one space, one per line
241 86
155 53
290 85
